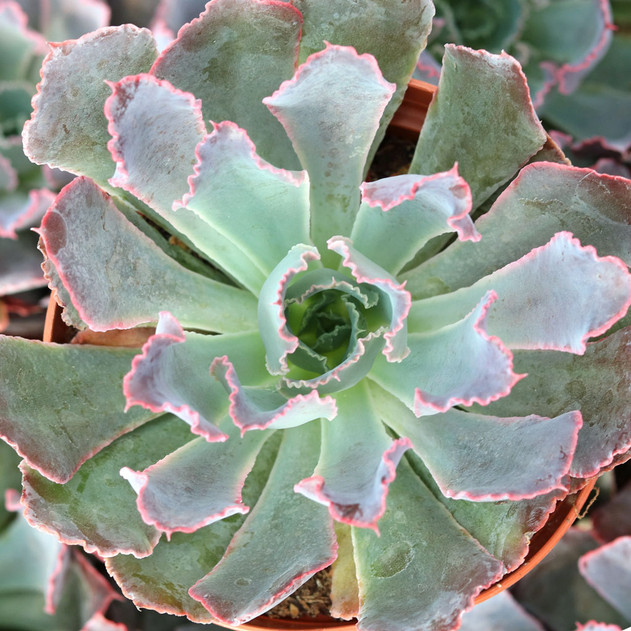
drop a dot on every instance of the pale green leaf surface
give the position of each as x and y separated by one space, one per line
400 214
155 129
419 541
187 557
497 614
357 462
87 510
533 294
544 199
68 128
20 47
198 484
212 58
99 267
331 110
480 96
258 211
504 528
281 520
56 432
456 364
597 383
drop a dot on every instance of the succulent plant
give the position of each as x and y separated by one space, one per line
25 190
341 354
557 42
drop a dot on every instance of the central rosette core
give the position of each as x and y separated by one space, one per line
323 328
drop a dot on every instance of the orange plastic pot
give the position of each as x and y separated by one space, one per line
406 123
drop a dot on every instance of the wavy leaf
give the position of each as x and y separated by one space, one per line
87 510
419 541
224 36
544 199
303 529
330 111
457 364
94 266
68 129
479 96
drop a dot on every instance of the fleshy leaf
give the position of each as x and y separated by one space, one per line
212 58
266 408
278 339
533 293
344 587
20 46
479 96
608 570
246 202
20 264
487 458
419 541
457 364
545 198
365 270
399 214
155 129
68 129
498 614
189 556
394 32
196 485
357 463
87 510
596 383
300 528
18 211
38 418
158 382
122 256
331 111
60 20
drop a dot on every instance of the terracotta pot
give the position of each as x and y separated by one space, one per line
406 123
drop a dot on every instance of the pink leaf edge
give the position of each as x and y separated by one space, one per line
168 332
396 348
139 480
460 223
225 128
120 90
314 488
245 414
425 403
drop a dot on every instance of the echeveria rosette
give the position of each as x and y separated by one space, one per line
331 388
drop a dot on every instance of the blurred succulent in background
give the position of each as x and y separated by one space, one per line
25 189
322 360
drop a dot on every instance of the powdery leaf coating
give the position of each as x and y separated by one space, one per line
158 383
300 528
596 383
39 420
242 202
135 267
608 570
479 96
331 110
357 463
212 58
419 541
515 452
68 129
458 364
67 510
544 199
266 408
197 484
154 153
533 293
400 214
